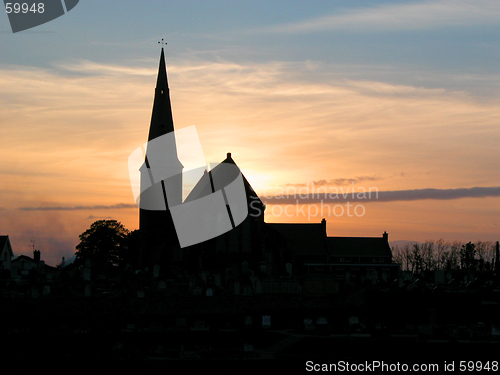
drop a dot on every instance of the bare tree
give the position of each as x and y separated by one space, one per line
404 256
468 260
417 258
441 251
427 252
443 255
453 256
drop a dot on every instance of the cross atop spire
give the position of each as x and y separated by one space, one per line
162 43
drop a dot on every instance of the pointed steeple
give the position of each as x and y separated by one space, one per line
162 161
162 81
161 181
162 121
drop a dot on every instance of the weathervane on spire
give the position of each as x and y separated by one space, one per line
162 42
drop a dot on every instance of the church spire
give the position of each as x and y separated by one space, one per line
161 154
161 119
161 180
162 81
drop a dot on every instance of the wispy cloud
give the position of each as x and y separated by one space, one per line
86 66
373 195
333 195
410 16
75 208
364 123
339 181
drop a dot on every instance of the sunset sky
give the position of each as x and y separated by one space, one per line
400 97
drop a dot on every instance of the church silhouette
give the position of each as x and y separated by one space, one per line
252 256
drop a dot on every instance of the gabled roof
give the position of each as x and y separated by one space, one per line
358 246
5 244
23 257
217 178
202 188
29 259
303 238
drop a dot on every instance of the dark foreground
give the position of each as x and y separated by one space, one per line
375 332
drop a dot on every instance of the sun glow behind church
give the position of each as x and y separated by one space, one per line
291 118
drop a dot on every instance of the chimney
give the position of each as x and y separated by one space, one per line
229 155
323 223
36 256
385 236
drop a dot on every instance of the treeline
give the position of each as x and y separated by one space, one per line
443 255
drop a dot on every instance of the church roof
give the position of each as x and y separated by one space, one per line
217 178
358 246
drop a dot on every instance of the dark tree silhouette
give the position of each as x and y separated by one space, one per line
467 256
443 255
130 255
104 243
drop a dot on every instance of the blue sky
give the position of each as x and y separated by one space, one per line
441 37
398 95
